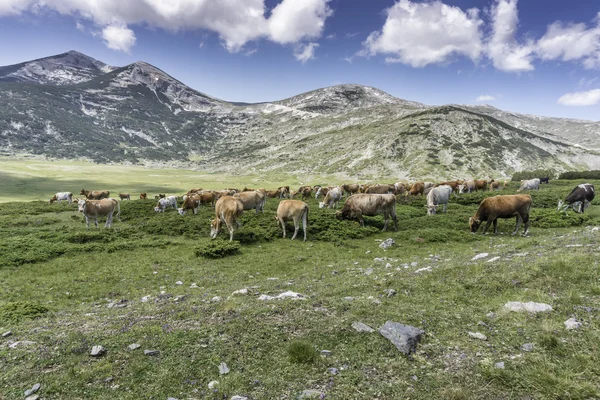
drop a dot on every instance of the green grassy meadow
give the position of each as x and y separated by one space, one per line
67 288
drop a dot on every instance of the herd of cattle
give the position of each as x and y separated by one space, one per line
361 200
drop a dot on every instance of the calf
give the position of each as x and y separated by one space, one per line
580 198
293 210
143 196
369 204
251 200
165 202
60 196
124 196
530 184
92 209
227 210
438 195
332 197
507 206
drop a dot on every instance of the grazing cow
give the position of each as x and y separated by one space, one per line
227 210
190 202
124 196
306 192
416 188
359 205
379 189
247 189
505 185
195 190
580 198
467 187
293 210
428 185
252 200
438 195
160 196
95 194
143 196
322 191
273 194
545 180
60 196
530 184
400 188
293 194
284 191
453 184
494 185
165 202
350 189
332 197
92 209
507 206
207 198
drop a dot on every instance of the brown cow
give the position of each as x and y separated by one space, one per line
306 192
284 191
124 196
507 206
453 184
227 210
416 188
190 202
246 189
495 185
480 184
92 209
379 189
272 194
143 196
358 205
95 194
195 190
207 197
252 200
350 189
293 210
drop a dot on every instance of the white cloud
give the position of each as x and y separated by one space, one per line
419 34
237 22
502 48
568 42
305 52
80 27
118 37
485 97
584 82
589 98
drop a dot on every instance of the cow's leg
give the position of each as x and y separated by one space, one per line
96 221
386 219
519 220
87 222
445 204
487 226
280 221
525 219
296 227
496 226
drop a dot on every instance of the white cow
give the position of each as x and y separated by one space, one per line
530 184
68 196
438 195
169 201
332 197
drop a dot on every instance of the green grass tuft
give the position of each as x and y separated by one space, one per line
302 352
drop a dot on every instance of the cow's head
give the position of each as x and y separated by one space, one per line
431 210
53 199
339 215
181 211
82 191
474 224
215 228
81 205
461 188
158 208
322 204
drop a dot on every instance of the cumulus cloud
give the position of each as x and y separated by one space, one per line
237 22
589 98
503 49
305 52
419 34
118 37
485 97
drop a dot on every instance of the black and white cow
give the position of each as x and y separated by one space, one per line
580 198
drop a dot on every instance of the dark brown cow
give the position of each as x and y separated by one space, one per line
507 206
379 189
143 196
417 188
358 205
453 184
124 196
480 184
95 194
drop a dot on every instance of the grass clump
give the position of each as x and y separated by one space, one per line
217 249
301 352
19 310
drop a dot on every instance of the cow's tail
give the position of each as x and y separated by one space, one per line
304 220
119 211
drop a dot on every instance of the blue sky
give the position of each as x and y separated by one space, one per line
530 56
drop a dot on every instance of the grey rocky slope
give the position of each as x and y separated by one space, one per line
139 113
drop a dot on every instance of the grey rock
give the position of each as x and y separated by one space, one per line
404 337
134 346
151 352
360 327
223 369
34 389
414 378
216 299
237 397
368 271
212 384
240 291
532 307
390 292
477 335
179 283
387 243
311 394
333 371
491 315
499 365
572 323
349 298
326 353
97 351
32 397
109 379
172 398
528 347
21 343
7 334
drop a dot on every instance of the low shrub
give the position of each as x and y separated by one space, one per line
217 248
301 352
593 174
16 311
